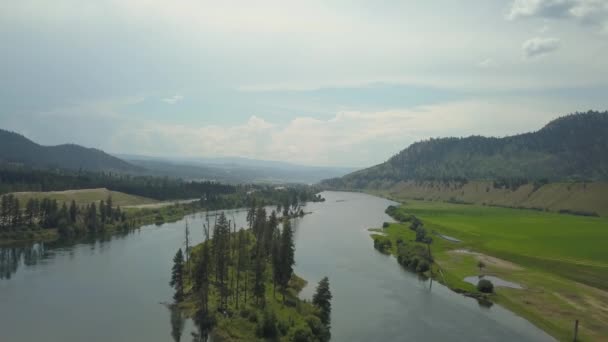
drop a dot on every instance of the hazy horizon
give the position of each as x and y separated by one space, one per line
344 83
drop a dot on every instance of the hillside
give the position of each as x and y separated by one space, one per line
573 147
17 149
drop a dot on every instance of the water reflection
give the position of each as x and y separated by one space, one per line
13 257
30 254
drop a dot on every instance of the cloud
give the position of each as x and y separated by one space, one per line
488 63
355 138
536 47
594 12
173 99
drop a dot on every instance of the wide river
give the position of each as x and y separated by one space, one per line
113 290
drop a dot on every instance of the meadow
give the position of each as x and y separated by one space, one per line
560 260
86 196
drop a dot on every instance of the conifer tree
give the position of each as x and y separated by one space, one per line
287 256
322 300
177 276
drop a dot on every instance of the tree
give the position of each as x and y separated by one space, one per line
251 214
202 275
485 286
481 265
177 276
102 211
109 209
73 211
287 254
92 220
322 300
221 253
187 242
30 212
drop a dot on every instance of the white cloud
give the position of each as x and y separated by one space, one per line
355 138
173 99
536 47
593 12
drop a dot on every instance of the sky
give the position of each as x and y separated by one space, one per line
337 83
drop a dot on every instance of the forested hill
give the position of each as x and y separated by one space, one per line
573 147
15 148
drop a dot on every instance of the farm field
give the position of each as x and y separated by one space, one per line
560 260
86 196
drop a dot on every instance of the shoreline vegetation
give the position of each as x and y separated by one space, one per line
42 217
239 285
563 278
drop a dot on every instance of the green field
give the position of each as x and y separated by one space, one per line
86 196
561 260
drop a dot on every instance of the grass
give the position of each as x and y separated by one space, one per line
575 196
86 196
561 260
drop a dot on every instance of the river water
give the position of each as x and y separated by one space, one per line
113 289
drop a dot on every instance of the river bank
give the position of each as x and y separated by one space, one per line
552 296
125 277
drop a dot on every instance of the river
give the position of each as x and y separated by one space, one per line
113 289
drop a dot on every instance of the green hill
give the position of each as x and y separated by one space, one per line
17 149
573 147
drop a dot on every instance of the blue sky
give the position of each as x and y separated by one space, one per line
314 82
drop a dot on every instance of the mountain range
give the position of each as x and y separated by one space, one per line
16 149
572 147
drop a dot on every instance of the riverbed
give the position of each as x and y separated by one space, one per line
113 289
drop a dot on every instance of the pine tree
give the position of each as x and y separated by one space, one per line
102 211
177 276
109 209
73 211
287 256
221 253
322 300
30 212
201 277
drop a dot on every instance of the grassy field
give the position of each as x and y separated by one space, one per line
86 196
561 260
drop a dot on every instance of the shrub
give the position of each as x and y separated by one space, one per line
302 333
283 327
485 286
385 225
253 317
423 266
245 313
267 328
382 243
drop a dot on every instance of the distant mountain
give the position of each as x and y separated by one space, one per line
234 169
573 147
17 149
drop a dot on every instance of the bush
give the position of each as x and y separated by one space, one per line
423 266
485 286
268 327
283 327
385 225
382 243
253 317
302 333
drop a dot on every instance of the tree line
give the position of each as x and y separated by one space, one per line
20 178
46 213
232 271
